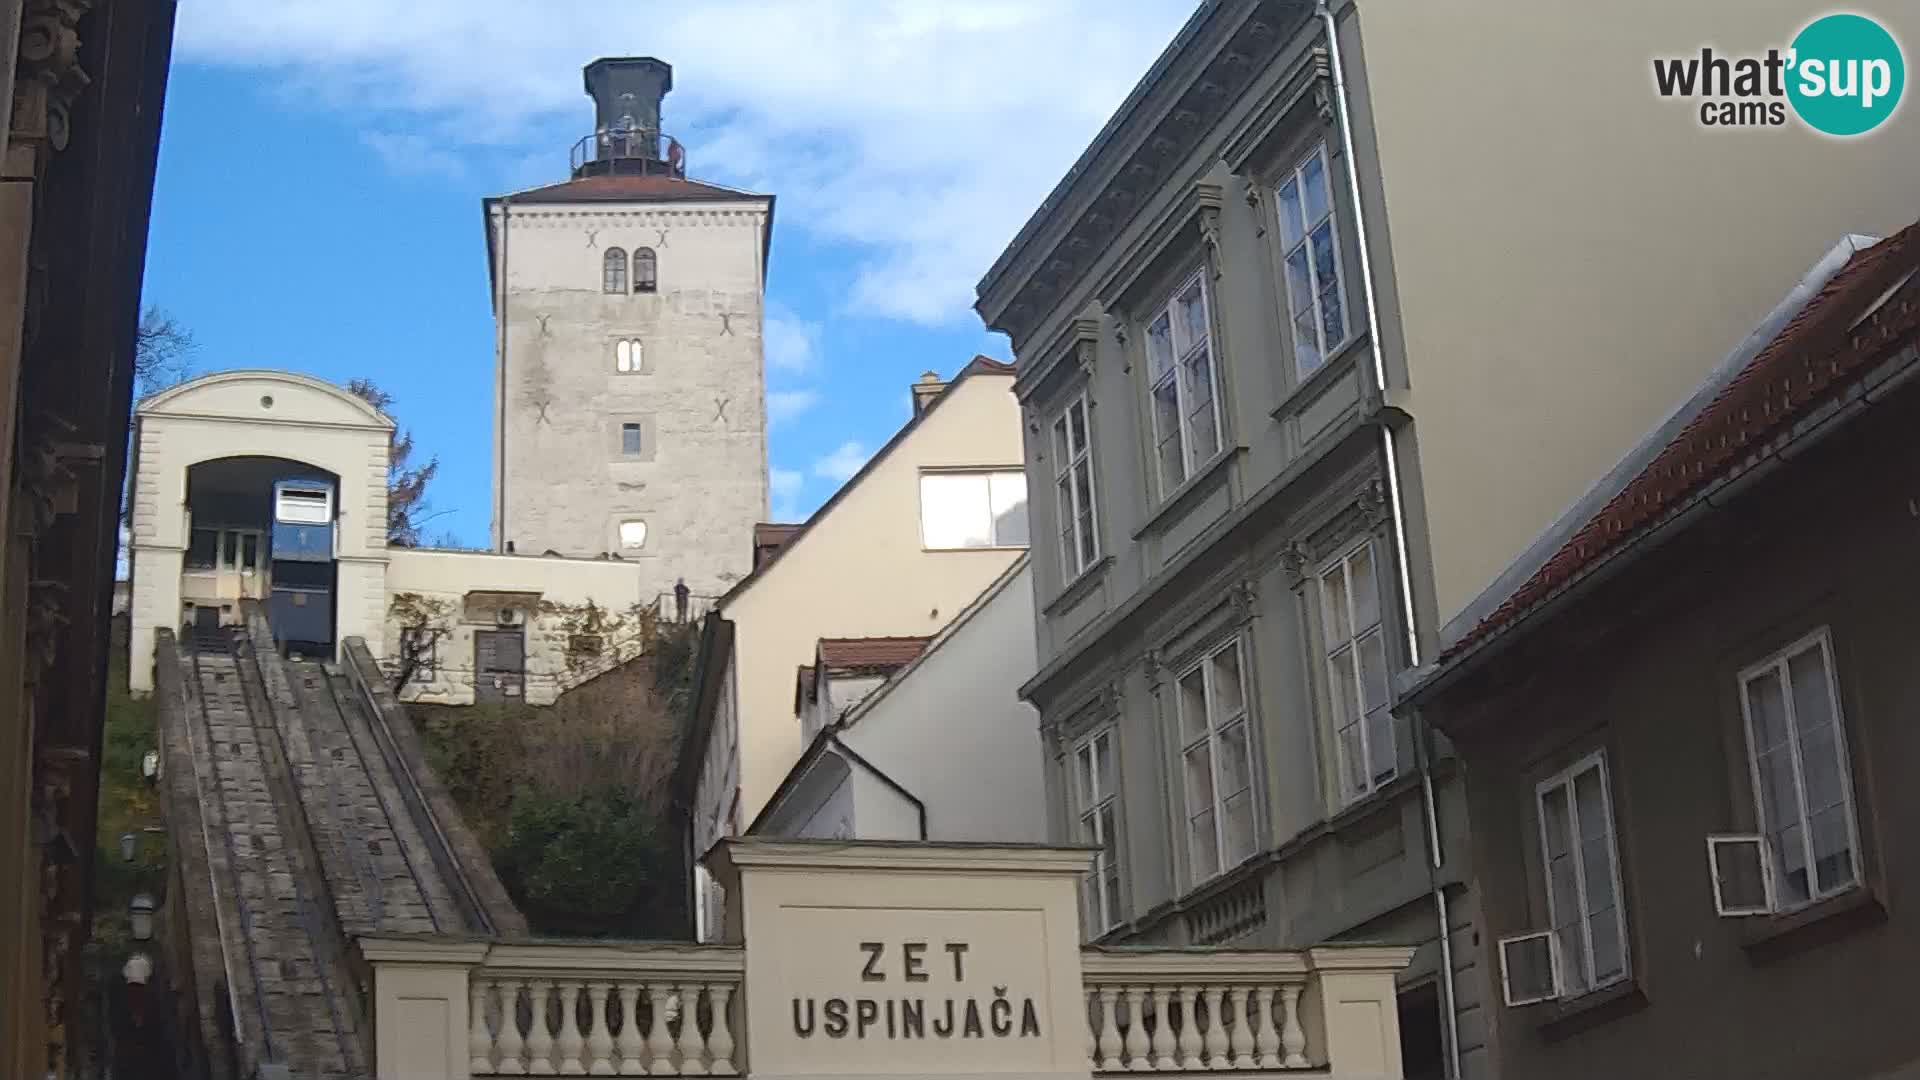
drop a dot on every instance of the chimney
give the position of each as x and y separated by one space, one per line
925 390
626 93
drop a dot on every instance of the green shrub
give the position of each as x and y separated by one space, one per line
587 864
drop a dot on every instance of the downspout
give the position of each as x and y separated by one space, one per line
500 384
1397 511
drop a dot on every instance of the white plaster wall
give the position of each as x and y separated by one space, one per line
253 413
701 483
833 818
861 571
953 731
448 576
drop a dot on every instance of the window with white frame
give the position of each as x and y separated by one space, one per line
613 271
1316 300
973 509
1356 649
1797 752
1582 868
628 356
1180 367
1073 485
633 534
1216 756
1098 811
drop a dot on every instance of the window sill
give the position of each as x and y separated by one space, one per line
1591 1009
1774 937
1171 506
1330 371
1080 586
989 547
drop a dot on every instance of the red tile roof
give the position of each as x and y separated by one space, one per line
768 538
1806 364
841 654
630 188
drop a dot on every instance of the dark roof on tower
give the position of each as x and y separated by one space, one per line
631 188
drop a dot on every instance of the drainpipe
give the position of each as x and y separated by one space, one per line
500 386
1397 511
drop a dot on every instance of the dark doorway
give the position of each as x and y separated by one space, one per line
499 665
1422 1054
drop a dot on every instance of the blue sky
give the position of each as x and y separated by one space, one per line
322 164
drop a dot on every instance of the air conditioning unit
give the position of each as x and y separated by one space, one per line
1740 865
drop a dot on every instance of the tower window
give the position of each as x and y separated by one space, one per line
645 270
613 271
627 356
630 438
633 534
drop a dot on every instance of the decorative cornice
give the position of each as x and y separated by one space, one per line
1296 563
49 77
1151 667
1184 221
1244 597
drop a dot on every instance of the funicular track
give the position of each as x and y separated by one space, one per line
301 998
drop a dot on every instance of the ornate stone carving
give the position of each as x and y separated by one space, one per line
1256 195
1295 563
1244 597
1371 504
1150 666
49 75
1323 100
1210 236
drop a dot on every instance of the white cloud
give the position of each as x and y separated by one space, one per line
786 485
840 465
784 405
789 340
922 132
414 155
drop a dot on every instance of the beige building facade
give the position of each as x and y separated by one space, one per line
900 550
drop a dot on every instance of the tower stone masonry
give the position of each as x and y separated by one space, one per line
629 378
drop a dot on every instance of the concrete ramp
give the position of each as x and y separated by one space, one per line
303 815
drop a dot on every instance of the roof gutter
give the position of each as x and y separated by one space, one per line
1902 368
1396 509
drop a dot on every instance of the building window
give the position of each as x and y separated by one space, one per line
1577 851
613 271
1186 408
645 270
627 355
203 547
1315 299
1073 483
630 438
973 509
1098 812
1797 751
1217 762
1356 646
633 534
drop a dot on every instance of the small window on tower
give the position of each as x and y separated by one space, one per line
613 271
630 438
645 270
633 534
626 356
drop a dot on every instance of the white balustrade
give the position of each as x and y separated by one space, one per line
608 1022
1153 1010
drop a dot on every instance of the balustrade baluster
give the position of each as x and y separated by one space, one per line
1136 998
1092 1002
1242 1033
512 1048
479 1039
1293 1039
721 1041
1109 1030
600 1043
539 1035
1266 1041
570 1042
1216 1031
1163 1029
693 1057
632 1044
659 1046
1189 1029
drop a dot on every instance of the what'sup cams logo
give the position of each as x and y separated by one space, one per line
1842 75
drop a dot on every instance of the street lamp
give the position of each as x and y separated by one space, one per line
150 766
138 969
140 916
129 845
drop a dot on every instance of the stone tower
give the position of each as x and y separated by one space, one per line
629 378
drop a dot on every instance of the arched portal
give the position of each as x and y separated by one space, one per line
261 529
206 455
